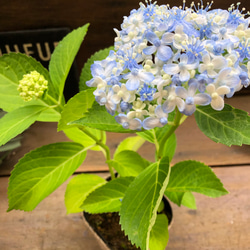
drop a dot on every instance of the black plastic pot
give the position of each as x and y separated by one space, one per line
100 223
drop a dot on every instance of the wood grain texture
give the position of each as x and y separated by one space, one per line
218 224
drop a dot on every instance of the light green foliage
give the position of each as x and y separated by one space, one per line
108 197
159 234
193 176
63 57
229 126
15 122
141 201
188 200
98 117
86 72
129 163
155 136
75 109
12 68
130 143
137 192
78 188
41 171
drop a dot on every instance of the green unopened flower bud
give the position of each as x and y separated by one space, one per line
32 86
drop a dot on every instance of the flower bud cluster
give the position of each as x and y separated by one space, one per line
32 86
166 58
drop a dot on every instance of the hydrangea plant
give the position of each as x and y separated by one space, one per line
166 65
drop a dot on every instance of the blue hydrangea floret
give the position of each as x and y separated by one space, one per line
173 58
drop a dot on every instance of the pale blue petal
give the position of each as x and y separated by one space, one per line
135 124
164 53
192 89
132 84
159 112
109 67
189 110
146 77
151 36
168 106
149 50
121 118
96 69
151 122
171 68
184 75
202 99
180 104
181 92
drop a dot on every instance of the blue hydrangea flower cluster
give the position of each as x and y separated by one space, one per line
166 58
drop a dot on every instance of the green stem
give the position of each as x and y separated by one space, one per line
178 120
104 147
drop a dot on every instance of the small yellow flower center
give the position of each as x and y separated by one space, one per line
32 86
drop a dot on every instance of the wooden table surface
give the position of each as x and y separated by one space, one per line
217 224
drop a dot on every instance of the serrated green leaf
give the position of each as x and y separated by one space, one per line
159 234
175 197
148 135
64 55
193 176
129 163
188 200
130 143
229 126
41 171
86 72
12 68
75 108
141 201
155 136
97 117
170 147
77 135
108 197
78 188
15 122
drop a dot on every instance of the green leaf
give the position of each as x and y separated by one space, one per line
170 147
15 122
193 176
41 171
12 68
78 188
155 135
130 143
107 198
148 135
188 200
75 108
129 163
77 135
230 126
86 72
97 117
159 234
64 55
141 201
